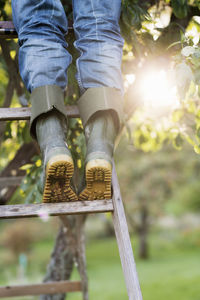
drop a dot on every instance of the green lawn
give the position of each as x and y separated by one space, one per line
172 273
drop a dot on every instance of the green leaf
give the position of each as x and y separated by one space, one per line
197 149
26 167
180 8
198 132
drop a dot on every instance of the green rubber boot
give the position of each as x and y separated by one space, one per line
100 133
58 165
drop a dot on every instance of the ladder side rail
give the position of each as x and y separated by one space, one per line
124 243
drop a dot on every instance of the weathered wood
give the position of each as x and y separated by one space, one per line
40 289
10 181
7 29
19 113
6 25
24 113
54 209
124 243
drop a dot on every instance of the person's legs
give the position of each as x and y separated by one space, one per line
43 63
99 76
43 56
99 42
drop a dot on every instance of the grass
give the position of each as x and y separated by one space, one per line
172 272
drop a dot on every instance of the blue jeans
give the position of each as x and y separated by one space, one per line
43 56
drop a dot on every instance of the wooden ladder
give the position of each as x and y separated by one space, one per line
114 206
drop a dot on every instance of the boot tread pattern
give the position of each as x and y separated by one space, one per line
98 184
57 185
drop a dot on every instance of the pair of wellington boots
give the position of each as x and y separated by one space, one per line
58 166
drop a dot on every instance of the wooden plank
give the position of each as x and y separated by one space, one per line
44 210
47 288
124 243
10 181
7 25
24 113
7 29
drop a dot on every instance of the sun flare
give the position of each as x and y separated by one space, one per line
156 90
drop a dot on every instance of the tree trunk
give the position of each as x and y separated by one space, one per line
143 234
62 260
80 254
69 249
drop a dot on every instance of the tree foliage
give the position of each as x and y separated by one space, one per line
167 38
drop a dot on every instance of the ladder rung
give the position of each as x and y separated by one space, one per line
44 210
24 113
40 289
7 29
10 181
6 25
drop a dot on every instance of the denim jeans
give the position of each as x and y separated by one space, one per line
43 56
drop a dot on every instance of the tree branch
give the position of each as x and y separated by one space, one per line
6 103
12 67
23 156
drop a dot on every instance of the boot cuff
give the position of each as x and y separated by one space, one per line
44 99
101 99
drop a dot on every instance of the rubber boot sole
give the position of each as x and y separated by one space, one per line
59 172
98 180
